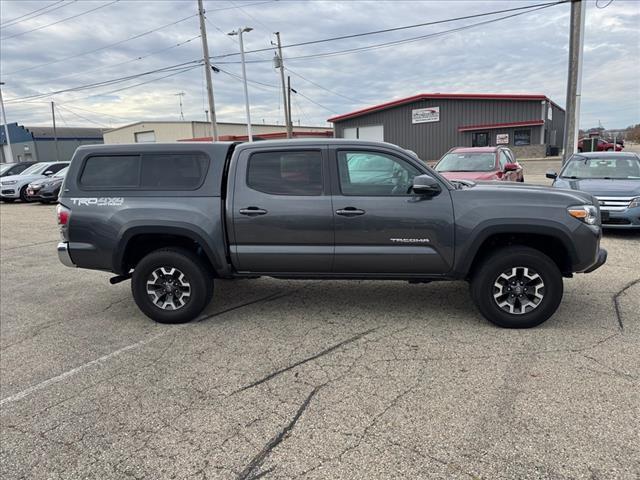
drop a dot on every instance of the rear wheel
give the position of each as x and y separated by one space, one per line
171 285
517 287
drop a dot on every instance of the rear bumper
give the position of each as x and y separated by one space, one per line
602 258
63 254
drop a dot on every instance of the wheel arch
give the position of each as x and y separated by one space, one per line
137 241
552 241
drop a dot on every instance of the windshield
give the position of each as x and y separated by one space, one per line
5 167
620 168
467 162
62 172
35 169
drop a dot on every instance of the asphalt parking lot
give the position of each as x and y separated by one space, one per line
311 379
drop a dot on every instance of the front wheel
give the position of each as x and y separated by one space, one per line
517 287
171 285
23 195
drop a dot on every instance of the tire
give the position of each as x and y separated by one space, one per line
528 262
23 195
168 264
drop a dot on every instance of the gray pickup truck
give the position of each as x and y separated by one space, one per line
175 217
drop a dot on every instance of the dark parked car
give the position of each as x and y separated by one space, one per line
480 163
8 169
46 190
613 178
174 217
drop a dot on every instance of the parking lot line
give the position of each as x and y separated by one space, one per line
73 371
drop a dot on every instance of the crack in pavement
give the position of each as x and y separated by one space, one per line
261 456
616 301
303 361
268 298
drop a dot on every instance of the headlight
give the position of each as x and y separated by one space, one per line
586 213
10 182
635 202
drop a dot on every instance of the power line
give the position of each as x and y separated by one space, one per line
178 72
406 40
134 37
394 29
316 103
321 87
67 109
111 65
104 83
60 21
22 18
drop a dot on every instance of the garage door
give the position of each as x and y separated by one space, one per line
374 133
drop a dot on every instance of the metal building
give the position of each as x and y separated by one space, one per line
431 123
39 144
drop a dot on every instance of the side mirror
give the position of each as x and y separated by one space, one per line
426 185
48 172
551 174
511 167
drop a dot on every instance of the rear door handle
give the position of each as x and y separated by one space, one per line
350 212
253 211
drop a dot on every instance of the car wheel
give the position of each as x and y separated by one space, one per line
171 285
23 195
517 287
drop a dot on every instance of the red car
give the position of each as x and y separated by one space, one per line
480 163
601 146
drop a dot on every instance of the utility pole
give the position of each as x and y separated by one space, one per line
239 32
55 132
180 95
574 78
279 63
289 133
6 127
207 72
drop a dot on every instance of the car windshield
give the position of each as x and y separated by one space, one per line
5 167
35 168
467 162
620 168
62 172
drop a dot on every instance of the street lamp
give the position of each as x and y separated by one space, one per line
239 32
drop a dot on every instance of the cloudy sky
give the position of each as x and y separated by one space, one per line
48 46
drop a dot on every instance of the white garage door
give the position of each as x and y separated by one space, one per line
145 137
374 133
350 133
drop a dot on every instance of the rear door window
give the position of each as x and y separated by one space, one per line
111 171
286 173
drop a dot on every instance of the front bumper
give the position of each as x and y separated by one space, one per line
9 192
602 258
63 254
625 219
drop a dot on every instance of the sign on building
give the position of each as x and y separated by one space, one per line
425 115
502 139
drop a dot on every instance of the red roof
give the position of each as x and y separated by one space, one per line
443 96
492 126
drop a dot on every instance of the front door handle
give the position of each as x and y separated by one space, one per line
350 212
253 211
